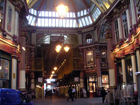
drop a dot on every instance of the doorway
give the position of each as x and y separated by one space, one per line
92 89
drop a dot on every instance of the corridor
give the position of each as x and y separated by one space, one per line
63 101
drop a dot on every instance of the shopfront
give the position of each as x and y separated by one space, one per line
5 70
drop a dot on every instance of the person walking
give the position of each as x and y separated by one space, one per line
103 93
70 94
73 92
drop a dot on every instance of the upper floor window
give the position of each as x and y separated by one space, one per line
116 30
124 20
88 38
89 56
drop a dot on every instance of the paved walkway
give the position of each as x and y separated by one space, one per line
63 101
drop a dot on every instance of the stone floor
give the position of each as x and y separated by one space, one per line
55 100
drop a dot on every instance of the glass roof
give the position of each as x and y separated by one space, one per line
81 13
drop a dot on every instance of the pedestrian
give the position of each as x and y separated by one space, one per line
70 94
74 92
103 93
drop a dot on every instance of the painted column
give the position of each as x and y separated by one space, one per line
134 71
80 39
22 62
14 71
16 23
124 70
81 80
110 58
98 70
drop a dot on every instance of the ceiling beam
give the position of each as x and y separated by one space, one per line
32 3
97 4
75 10
87 7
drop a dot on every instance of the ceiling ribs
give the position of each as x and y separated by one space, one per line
41 4
98 6
87 7
75 10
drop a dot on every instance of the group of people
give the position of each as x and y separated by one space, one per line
71 93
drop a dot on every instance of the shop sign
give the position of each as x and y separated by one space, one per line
76 79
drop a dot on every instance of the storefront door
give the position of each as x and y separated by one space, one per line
92 88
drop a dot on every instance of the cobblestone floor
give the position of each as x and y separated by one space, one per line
55 100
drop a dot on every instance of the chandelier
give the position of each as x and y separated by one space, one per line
62 10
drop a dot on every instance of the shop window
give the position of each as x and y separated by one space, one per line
105 81
88 38
89 56
92 78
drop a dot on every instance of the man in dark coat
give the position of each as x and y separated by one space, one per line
70 94
103 93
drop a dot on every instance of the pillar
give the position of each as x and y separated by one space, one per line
81 80
120 28
14 70
124 70
134 18
110 58
134 71
128 19
33 68
22 62
138 59
98 70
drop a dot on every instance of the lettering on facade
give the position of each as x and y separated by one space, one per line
9 19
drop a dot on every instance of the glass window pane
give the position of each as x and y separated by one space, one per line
43 14
50 13
60 22
46 22
39 21
56 22
53 14
39 13
46 13
83 20
67 15
67 23
90 60
33 21
53 22
81 13
64 22
57 14
86 19
32 12
74 23
35 12
70 22
80 23
50 23
78 14
30 19
90 21
71 14
42 22
85 12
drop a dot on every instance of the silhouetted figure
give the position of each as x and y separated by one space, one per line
70 94
103 93
73 93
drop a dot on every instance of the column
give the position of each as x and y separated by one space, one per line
33 39
128 19
110 58
138 59
81 79
16 23
134 71
80 39
123 70
98 71
22 62
33 68
14 70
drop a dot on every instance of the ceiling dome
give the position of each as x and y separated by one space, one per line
81 12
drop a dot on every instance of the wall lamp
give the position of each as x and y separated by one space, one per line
58 48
